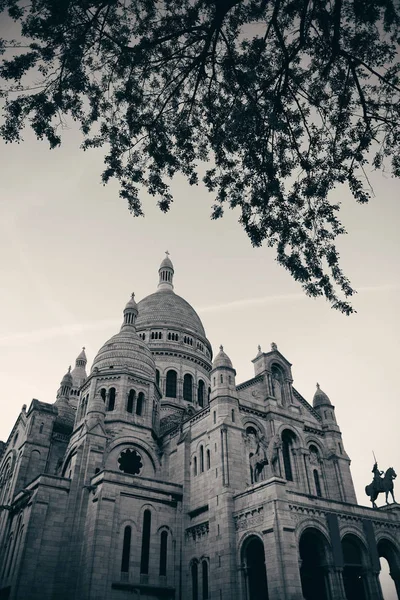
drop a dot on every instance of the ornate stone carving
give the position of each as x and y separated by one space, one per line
249 519
197 531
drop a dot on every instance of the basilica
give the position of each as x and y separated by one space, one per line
156 475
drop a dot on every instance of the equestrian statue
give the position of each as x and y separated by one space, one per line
380 484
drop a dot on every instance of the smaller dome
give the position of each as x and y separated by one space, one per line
222 360
131 305
167 263
320 398
67 379
65 419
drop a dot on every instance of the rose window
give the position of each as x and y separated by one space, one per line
130 462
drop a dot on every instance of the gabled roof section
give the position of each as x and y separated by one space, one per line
274 353
249 382
306 404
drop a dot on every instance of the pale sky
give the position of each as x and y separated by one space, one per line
71 254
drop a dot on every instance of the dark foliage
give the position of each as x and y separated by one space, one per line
286 99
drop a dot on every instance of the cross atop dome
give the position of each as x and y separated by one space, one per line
167 253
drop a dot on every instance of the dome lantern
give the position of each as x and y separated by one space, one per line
130 312
166 274
65 385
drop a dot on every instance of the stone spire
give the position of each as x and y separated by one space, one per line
130 313
166 274
78 373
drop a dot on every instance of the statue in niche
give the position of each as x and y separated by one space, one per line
273 454
314 458
277 385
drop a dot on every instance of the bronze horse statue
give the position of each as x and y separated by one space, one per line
381 484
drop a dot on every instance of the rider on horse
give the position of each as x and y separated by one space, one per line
377 482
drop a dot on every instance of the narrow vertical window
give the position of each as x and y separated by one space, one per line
201 459
139 404
170 390
103 394
208 395
144 560
195 582
131 398
317 483
111 399
126 549
163 552
233 415
204 569
200 393
188 388
195 465
287 441
157 377
208 460
215 416
41 427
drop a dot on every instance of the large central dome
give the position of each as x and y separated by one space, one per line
164 308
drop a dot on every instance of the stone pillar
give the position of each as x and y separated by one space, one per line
371 584
395 575
334 579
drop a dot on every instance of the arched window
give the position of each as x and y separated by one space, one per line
139 404
163 552
103 394
7 553
41 427
208 395
157 377
195 581
111 399
131 399
144 560
204 573
126 549
201 459
14 547
195 465
188 388
200 393
287 444
317 483
170 391
208 460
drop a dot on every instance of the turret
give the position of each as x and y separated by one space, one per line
130 314
223 376
66 413
324 408
166 274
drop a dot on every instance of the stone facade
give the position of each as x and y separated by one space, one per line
157 476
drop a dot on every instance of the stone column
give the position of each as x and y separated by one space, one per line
371 584
334 579
395 575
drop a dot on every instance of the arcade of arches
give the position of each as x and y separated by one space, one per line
320 579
